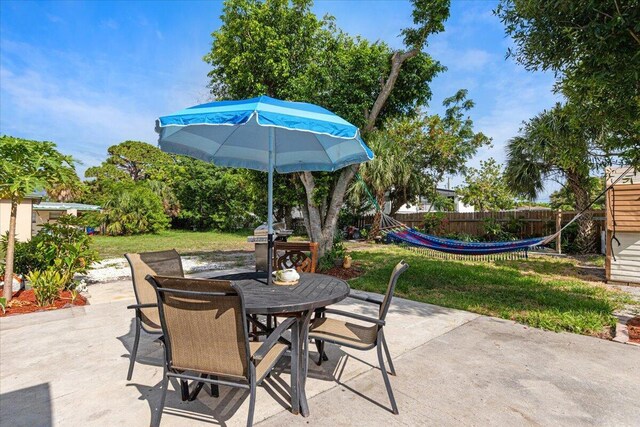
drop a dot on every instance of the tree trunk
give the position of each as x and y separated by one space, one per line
321 225
586 238
321 221
377 218
11 246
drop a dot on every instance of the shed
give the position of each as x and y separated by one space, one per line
623 226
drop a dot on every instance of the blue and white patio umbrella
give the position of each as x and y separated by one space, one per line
264 134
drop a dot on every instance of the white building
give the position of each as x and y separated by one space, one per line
425 205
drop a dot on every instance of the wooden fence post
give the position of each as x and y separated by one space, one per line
558 230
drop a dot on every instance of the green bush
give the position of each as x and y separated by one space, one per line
62 245
337 252
434 222
46 285
133 208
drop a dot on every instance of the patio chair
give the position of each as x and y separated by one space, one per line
303 256
357 336
167 263
206 338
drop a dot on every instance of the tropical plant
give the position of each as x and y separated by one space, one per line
133 208
25 167
565 200
139 162
299 57
592 46
486 189
62 245
388 169
555 145
46 285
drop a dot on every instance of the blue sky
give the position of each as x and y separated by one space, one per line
88 75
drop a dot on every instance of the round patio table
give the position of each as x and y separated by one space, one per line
312 292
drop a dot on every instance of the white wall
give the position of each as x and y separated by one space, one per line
23 219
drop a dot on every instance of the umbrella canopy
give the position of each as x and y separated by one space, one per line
264 134
305 137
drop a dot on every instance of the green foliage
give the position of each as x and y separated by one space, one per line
133 208
434 222
46 285
565 199
63 246
592 46
213 197
336 253
136 160
3 305
281 49
414 153
486 189
28 166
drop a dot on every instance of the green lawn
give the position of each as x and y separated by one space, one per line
184 242
541 292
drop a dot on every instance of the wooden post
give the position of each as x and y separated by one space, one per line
558 228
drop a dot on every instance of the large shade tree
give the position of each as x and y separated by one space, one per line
26 167
556 144
281 49
593 46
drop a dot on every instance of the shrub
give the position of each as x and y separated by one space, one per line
434 222
46 285
338 251
133 208
63 245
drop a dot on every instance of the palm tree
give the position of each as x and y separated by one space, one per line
555 145
27 167
389 170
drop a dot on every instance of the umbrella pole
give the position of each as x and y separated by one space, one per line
270 208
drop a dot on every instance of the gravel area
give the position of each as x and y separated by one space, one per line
113 269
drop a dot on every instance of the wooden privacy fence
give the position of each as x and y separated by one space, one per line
530 223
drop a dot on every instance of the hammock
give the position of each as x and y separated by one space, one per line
396 232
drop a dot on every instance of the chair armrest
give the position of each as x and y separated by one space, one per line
365 298
138 306
356 316
272 339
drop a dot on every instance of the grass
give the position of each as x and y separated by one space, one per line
185 242
541 292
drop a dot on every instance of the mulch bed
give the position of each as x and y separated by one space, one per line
633 327
24 301
345 273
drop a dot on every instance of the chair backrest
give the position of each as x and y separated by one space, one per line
400 268
295 256
204 325
164 263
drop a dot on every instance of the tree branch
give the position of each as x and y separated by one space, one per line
397 59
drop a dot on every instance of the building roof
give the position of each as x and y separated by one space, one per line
55 206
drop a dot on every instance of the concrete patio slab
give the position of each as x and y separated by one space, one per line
493 372
68 367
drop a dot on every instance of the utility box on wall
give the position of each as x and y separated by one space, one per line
623 226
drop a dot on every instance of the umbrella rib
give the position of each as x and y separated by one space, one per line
324 150
230 135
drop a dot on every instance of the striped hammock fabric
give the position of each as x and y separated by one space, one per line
415 238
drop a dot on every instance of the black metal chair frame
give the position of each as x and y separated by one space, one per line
212 380
380 342
139 324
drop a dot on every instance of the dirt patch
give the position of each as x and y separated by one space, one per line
24 301
345 273
633 327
